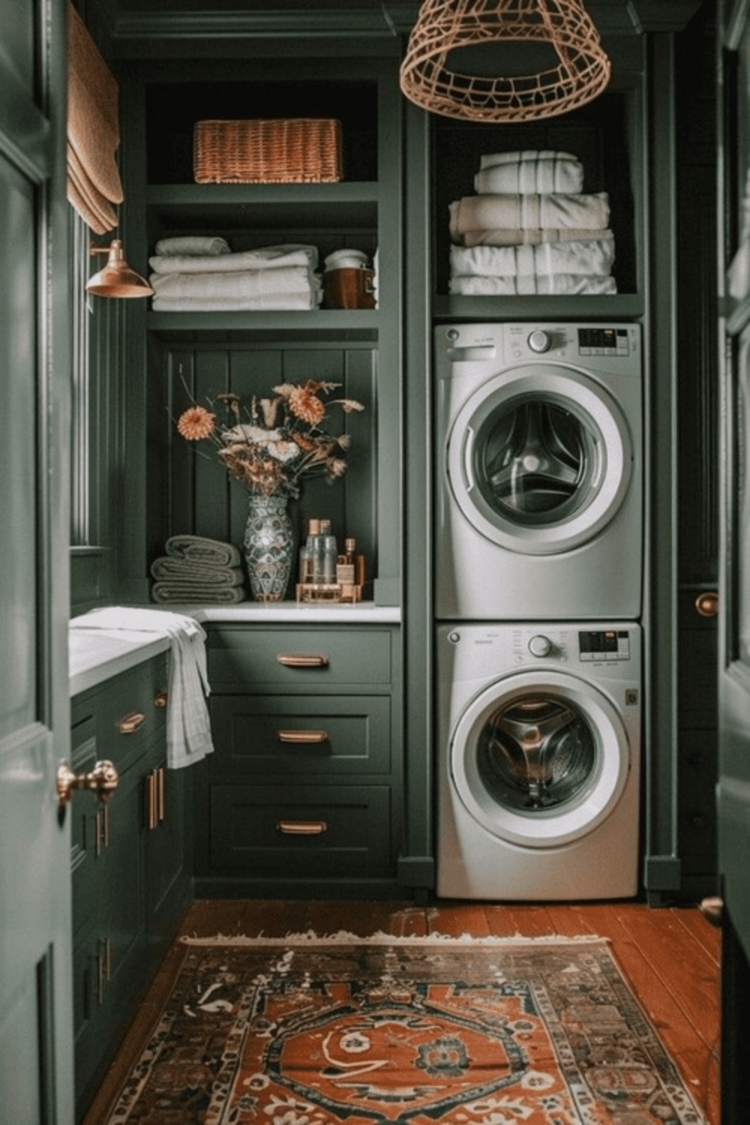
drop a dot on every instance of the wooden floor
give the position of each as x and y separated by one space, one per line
670 957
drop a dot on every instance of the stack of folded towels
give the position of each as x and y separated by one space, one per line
202 274
195 569
530 229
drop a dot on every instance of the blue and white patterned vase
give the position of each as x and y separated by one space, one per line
269 547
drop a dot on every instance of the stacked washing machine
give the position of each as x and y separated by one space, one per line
538 581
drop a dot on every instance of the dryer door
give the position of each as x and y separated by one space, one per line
540 758
539 459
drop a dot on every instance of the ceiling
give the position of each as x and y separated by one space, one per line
336 18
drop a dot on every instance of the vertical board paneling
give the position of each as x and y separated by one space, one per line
211 485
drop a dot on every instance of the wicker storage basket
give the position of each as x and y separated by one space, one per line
293 151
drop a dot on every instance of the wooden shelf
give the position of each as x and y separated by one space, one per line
621 306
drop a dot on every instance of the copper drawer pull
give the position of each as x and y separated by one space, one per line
302 827
161 698
161 792
131 723
306 736
302 659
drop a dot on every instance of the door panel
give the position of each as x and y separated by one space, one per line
36 1072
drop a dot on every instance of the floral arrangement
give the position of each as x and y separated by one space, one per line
270 446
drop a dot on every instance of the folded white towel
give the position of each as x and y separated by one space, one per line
236 285
529 237
268 257
192 244
265 302
592 258
201 549
188 725
491 159
562 283
489 212
533 172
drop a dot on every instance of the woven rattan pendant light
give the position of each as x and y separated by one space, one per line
442 26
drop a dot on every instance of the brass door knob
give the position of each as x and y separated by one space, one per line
707 604
102 780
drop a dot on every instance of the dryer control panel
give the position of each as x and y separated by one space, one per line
605 644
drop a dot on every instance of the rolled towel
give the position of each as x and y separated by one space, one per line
529 237
198 549
592 258
196 593
268 257
188 570
559 172
235 285
265 302
192 244
570 284
480 212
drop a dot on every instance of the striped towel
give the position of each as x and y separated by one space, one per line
188 726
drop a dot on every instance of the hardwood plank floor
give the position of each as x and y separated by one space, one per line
670 957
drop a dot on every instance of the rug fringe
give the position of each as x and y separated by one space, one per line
381 938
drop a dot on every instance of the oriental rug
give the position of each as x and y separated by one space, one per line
398 1031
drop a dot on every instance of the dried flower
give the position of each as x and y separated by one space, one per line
272 445
196 423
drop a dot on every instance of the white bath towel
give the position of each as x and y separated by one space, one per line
491 159
236 285
265 302
489 212
188 726
592 258
533 172
529 237
267 257
562 283
192 244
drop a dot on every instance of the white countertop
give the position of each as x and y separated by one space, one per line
95 655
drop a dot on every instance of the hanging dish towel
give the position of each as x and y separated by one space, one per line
188 725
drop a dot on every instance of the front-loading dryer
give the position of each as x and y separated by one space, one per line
539 741
539 510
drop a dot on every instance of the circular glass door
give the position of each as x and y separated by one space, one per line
539 760
539 459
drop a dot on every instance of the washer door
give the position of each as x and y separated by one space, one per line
539 459
540 758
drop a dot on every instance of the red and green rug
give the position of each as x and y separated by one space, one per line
391 1031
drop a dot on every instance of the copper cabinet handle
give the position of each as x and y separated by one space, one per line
707 604
161 793
302 827
302 659
302 736
131 723
161 698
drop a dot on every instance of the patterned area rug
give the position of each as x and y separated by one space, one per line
391 1031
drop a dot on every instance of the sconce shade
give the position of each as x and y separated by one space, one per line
117 279
442 26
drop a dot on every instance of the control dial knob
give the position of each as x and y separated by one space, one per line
540 341
540 646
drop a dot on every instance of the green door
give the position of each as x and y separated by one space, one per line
35 932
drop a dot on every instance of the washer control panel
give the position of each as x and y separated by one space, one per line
604 644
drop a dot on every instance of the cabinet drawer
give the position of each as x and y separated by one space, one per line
249 659
301 734
318 832
128 712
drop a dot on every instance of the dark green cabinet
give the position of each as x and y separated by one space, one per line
130 880
302 795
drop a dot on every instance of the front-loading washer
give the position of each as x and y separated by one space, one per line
539 745
539 510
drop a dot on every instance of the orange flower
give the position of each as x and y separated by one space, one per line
306 405
196 423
